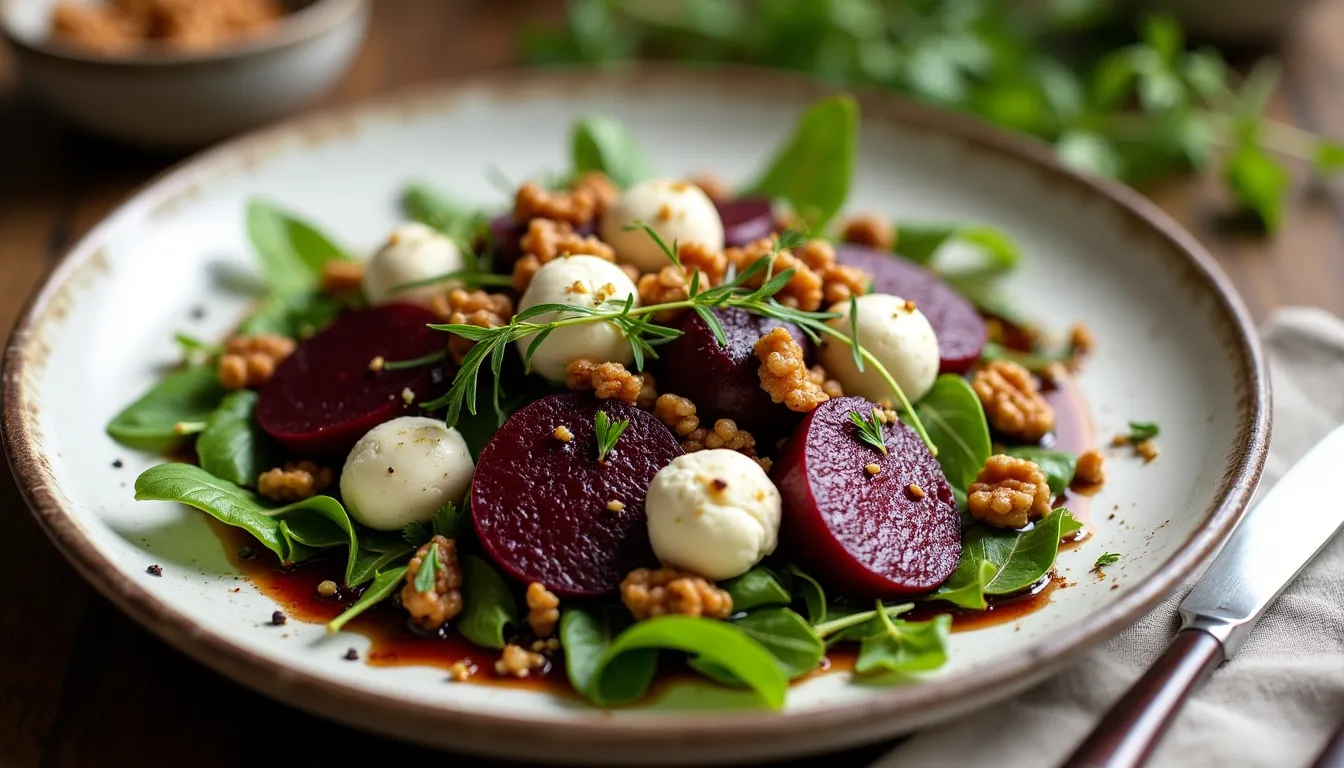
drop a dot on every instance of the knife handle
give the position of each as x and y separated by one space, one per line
1131 729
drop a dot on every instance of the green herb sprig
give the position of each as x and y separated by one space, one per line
429 571
1142 430
1107 558
608 432
870 430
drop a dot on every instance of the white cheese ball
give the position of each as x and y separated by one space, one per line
412 252
714 513
402 471
583 281
677 210
900 338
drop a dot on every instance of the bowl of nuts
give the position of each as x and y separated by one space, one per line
180 73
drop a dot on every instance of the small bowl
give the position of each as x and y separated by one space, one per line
169 99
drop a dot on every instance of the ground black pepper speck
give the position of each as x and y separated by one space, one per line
352 655
198 313
154 570
116 464
279 618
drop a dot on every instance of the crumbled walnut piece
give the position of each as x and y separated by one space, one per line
575 206
563 434
516 661
1081 344
765 462
726 434
250 361
437 606
294 481
478 308
543 609
784 374
549 645
1013 405
803 291
676 412
609 381
1090 470
524 269
648 394
461 671
1009 492
326 588
549 240
340 277
713 187
1147 450
655 593
841 282
669 284
97 28
868 229
818 375
711 264
602 189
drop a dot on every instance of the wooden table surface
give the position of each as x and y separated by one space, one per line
80 684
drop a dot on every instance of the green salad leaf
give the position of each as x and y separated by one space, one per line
294 532
384 585
921 243
785 634
605 144
1057 465
377 552
955 420
1019 558
434 209
169 411
759 586
586 634
233 446
812 171
966 586
809 591
292 251
297 315
904 646
488 607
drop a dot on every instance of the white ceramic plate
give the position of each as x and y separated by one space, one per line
1175 348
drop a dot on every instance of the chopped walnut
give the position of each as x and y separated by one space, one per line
1013 406
818 375
548 240
461 671
543 609
609 381
803 291
711 264
524 269
575 206
437 606
250 361
648 393
676 412
1009 492
784 374
98 28
713 187
868 229
516 661
655 593
1090 470
725 434
765 462
840 282
478 308
341 277
1147 450
295 481
602 189
669 284
120 26
1081 344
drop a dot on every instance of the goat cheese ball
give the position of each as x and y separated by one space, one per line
896 333
412 252
714 513
677 210
402 471
582 281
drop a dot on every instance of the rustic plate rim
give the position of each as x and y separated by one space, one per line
489 732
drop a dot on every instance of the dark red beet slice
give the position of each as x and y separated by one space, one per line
866 535
961 332
722 381
505 234
746 219
540 504
324 397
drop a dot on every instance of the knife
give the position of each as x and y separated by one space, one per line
1273 543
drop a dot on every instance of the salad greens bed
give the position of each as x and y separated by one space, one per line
784 620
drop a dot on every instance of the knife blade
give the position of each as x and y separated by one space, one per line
1271 546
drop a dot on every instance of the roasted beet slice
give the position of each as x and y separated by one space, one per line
863 534
722 381
543 506
961 332
324 397
505 234
746 219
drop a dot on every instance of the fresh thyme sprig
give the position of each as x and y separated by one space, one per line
1107 558
414 362
870 430
644 335
608 433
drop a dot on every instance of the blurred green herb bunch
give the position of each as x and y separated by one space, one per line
1124 107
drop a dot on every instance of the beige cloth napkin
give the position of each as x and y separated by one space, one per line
1276 703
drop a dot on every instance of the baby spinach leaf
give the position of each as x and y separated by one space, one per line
293 532
435 209
487 604
586 634
904 646
966 586
784 633
605 144
151 423
384 584
1019 558
811 593
955 420
292 251
921 243
846 622
297 315
233 446
813 170
1058 466
715 642
761 585
373 559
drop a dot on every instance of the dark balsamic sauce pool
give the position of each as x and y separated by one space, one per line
393 642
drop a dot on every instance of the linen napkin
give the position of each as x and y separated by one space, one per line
1277 701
